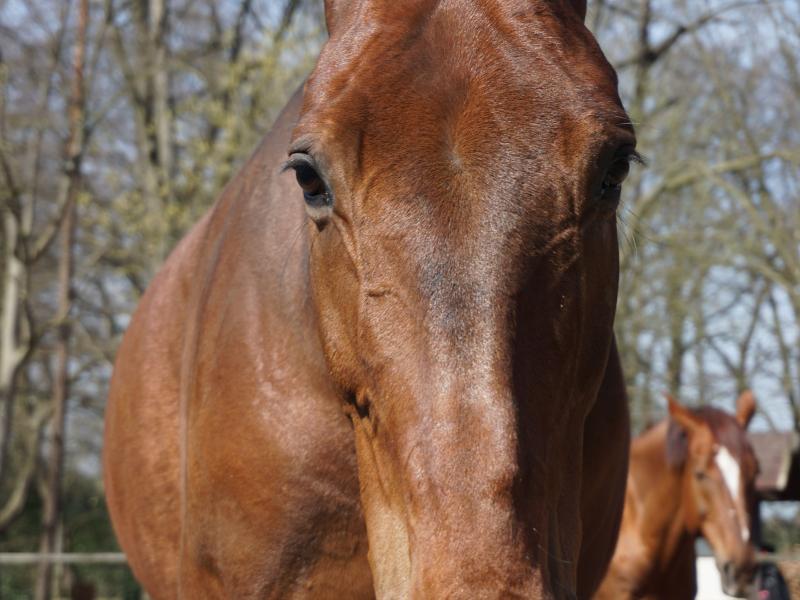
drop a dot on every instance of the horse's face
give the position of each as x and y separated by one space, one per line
461 163
719 486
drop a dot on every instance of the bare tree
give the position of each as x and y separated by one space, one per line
24 246
709 232
68 189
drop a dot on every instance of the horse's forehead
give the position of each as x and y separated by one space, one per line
733 456
730 469
410 14
421 56
730 437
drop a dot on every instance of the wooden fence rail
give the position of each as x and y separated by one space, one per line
34 558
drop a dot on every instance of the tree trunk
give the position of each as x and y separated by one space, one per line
9 352
69 189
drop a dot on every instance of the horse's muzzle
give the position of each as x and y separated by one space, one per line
736 579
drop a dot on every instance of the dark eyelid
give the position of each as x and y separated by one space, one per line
298 159
302 145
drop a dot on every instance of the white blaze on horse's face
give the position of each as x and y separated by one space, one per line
729 469
731 474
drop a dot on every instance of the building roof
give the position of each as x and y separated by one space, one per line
778 454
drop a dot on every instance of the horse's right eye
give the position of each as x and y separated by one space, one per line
309 180
307 174
700 475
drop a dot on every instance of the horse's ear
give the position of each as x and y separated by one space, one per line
580 8
682 423
682 415
745 408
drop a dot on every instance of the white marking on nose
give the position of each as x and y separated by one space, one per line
729 468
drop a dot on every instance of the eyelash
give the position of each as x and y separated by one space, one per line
624 160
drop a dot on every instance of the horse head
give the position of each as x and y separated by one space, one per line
719 471
461 165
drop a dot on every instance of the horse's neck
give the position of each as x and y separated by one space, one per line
254 254
658 493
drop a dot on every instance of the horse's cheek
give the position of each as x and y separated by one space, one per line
334 291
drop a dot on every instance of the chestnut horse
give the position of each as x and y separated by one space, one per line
692 474
386 367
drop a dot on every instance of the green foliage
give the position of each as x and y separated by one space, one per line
87 528
782 533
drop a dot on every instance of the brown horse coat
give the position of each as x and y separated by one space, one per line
421 362
692 474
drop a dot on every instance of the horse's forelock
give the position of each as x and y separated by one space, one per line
725 429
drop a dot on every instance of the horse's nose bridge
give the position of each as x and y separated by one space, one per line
470 303
445 451
736 546
736 520
451 308
743 552
453 421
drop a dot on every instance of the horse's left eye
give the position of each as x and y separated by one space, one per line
700 475
616 174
